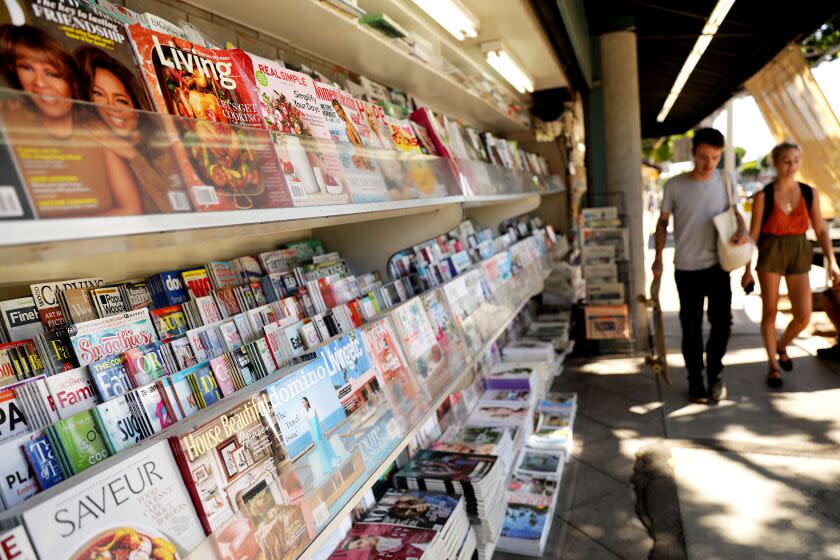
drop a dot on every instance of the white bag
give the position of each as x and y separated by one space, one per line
730 255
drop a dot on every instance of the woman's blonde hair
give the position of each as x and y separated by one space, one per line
779 149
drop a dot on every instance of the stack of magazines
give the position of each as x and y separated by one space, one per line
403 521
531 502
480 479
483 440
555 423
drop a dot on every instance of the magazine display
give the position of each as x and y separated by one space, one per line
226 167
142 504
309 161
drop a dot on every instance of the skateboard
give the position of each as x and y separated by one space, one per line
656 358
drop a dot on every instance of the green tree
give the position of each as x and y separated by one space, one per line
824 43
739 155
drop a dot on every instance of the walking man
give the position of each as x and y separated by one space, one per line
695 198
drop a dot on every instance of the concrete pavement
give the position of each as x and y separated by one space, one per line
756 477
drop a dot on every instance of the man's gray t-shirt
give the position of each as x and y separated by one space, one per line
694 204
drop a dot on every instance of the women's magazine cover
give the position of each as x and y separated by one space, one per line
227 157
349 130
309 161
97 155
393 371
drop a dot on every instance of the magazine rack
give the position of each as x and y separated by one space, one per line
364 449
250 169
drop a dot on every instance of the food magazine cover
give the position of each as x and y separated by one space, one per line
138 504
227 158
98 156
96 339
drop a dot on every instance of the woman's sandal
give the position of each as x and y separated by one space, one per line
774 379
784 361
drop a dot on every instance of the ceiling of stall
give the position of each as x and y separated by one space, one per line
752 33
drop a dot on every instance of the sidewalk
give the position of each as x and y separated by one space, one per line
756 477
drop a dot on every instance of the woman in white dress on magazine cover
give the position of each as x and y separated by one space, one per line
315 429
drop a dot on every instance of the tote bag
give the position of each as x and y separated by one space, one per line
730 255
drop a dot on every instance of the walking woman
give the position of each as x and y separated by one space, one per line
782 212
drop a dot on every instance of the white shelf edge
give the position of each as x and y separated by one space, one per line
29 232
25 232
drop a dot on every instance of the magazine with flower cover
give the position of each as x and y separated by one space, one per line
137 504
309 161
226 157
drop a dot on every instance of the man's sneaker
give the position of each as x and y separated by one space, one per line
717 391
697 392
831 353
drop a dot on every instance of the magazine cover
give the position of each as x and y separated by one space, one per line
72 391
379 541
80 442
96 339
308 160
446 333
418 338
46 300
226 157
395 375
352 375
425 510
41 457
347 129
169 322
529 489
525 521
118 424
20 318
540 463
12 420
451 466
421 171
17 480
106 158
138 503
306 406
225 459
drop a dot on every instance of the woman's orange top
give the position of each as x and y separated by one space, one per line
781 224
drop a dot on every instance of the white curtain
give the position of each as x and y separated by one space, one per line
795 109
